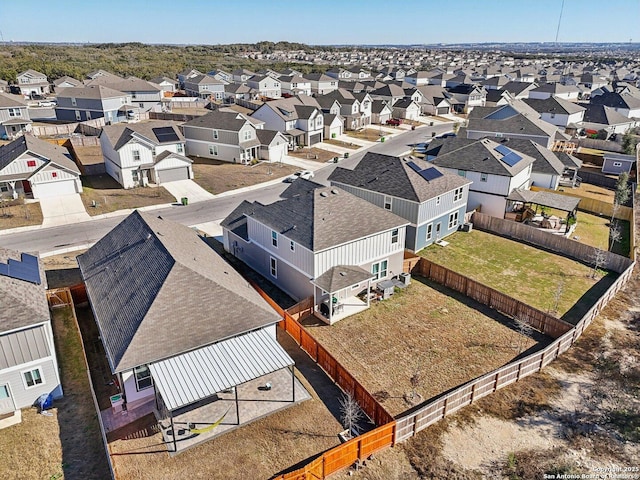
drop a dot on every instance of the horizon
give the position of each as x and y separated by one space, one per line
332 23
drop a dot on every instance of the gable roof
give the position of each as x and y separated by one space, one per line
318 217
393 176
90 92
120 134
22 303
507 119
9 101
478 156
546 161
152 284
604 115
219 119
130 84
54 153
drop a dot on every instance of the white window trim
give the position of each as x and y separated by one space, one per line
135 379
273 266
395 235
274 238
215 135
453 220
377 274
135 153
484 177
30 370
388 201
292 245
213 150
429 232
617 164
438 200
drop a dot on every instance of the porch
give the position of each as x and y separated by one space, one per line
551 212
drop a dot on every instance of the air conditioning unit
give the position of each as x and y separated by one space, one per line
405 278
466 227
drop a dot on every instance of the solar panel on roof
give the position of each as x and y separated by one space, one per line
165 134
415 167
501 149
509 156
26 269
430 174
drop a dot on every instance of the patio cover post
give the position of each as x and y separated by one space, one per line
235 390
293 382
368 293
173 431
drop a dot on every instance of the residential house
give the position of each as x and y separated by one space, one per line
509 122
495 170
14 116
419 78
236 91
557 111
295 85
31 83
180 327
312 235
28 363
333 125
355 108
465 97
241 75
519 90
321 84
222 135
406 109
391 93
623 103
380 112
546 90
144 95
78 104
224 77
168 85
35 168
616 163
600 117
204 86
432 201
137 154
102 74
186 74
273 145
434 100
65 82
302 124
265 86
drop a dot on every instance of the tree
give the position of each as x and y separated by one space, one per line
525 330
598 258
350 414
615 234
622 189
629 142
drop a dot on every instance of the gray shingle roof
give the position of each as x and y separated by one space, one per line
21 303
157 290
54 153
393 176
546 161
478 156
603 115
8 101
221 120
318 217
341 276
553 105
506 119
120 133
90 92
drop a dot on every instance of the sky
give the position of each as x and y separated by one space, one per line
318 22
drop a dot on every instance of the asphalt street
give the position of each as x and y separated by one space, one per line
81 234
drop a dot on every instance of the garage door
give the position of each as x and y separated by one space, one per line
442 111
53 189
173 174
317 138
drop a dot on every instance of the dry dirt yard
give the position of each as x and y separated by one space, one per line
444 336
217 177
16 213
577 416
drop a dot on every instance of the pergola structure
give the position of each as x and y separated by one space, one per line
520 199
336 285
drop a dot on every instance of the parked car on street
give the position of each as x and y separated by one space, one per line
394 121
305 174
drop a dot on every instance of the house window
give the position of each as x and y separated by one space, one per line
247 135
429 231
143 377
33 377
213 150
453 220
4 188
387 203
499 134
78 116
484 177
14 112
54 174
292 246
31 163
394 235
134 176
141 105
74 102
617 164
462 173
179 148
379 269
153 151
457 194
136 155
215 134
274 238
273 265
438 200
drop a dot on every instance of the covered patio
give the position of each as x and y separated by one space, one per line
531 208
335 295
207 392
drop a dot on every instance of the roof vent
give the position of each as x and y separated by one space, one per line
334 191
323 194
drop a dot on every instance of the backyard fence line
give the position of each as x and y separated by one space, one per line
595 178
555 243
436 409
593 205
503 303
176 117
53 296
88 127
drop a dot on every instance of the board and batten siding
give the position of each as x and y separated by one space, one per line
401 207
131 392
225 137
432 209
126 155
4 113
300 257
46 175
360 252
19 165
23 346
227 153
24 397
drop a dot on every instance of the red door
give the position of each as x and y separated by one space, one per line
26 186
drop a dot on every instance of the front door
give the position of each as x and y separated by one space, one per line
6 402
438 228
26 186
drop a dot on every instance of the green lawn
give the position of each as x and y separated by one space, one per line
524 272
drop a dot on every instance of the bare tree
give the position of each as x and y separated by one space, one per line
615 234
598 259
525 330
416 381
557 296
350 414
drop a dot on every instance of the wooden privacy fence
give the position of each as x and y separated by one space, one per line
555 243
59 297
433 410
593 205
541 321
301 309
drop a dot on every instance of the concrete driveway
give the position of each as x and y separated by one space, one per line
187 188
63 210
